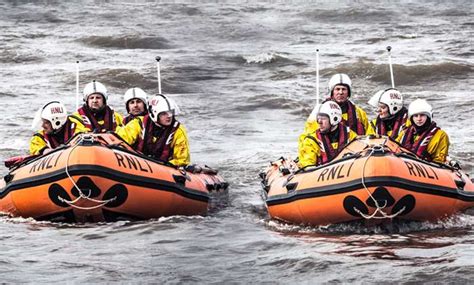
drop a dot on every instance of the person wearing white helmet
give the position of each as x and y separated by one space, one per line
159 134
328 140
340 90
135 102
95 113
392 116
424 137
57 128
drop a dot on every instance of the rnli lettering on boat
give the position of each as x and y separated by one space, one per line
335 172
47 162
420 170
132 162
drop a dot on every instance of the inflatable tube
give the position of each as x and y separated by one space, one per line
98 177
372 179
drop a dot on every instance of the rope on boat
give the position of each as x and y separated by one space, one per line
81 194
379 208
71 203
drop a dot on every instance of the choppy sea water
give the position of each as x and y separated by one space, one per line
244 76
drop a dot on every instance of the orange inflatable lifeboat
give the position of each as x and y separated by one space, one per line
98 177
372 179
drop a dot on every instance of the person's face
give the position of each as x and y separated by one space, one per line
47 127
95 102
136 107
382 110
419 119
340 93
324 123
165 118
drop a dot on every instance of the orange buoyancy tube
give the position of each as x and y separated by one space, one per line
97 178
371 180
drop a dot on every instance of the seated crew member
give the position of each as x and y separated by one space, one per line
392 116
328 140
57 128
159 134
135 103
95 113
340 90
423 137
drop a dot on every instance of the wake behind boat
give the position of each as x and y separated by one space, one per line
98 177
373 179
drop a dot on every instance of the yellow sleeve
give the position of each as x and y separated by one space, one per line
352 136
118 119
131 131
80 128
308 151
181 153
362 116
438 146
310 127
77 115
37 144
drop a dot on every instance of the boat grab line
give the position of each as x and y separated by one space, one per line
81 194
373 149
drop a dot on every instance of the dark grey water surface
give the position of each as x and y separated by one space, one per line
244 76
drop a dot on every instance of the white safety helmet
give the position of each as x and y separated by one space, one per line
56 113
374 100
393 99
339 79
332 110
94 87
420 106
133 93
158 104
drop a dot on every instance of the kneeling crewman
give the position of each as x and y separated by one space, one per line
323 145
159 134
57 128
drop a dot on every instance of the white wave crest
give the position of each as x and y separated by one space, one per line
262 58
